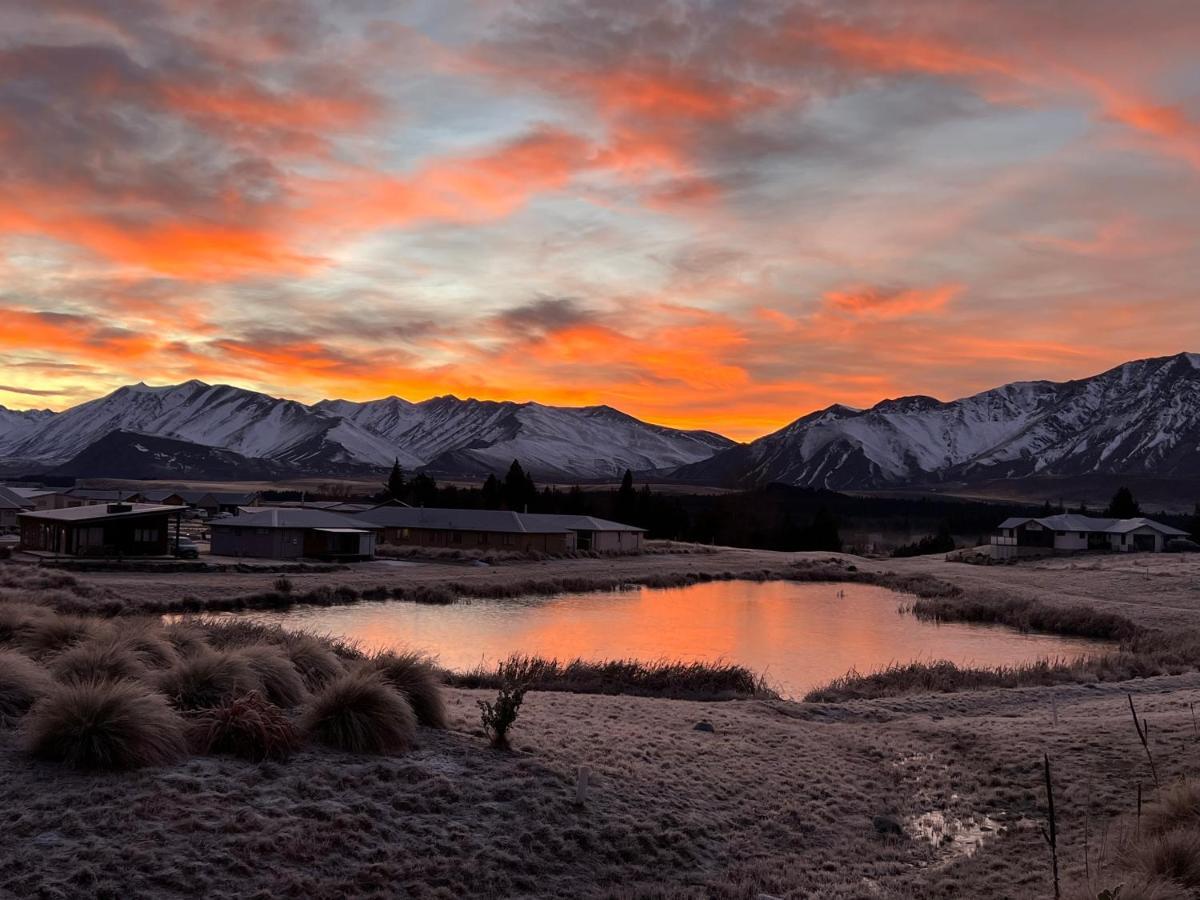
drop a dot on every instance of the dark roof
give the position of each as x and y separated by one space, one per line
10 499
100 511
578 523
492 520
159 496
101 494
1094 524
279 517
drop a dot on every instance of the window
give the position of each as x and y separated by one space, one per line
483 538
404 532
508 540
145 535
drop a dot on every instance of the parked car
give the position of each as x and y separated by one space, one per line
186 549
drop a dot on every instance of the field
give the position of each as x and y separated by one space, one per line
920 795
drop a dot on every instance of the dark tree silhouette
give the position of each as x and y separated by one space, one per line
1194 527
424 490
518 491
823 533
490 494
395 487
1123 505
626 501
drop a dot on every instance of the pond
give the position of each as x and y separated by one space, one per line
799 635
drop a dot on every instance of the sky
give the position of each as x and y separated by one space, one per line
720 214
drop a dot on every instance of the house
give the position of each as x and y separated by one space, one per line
491 528
591 533
211 502
11 505
279 533
101 530
466 529
42 498
76 497
1076 533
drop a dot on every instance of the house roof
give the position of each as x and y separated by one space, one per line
10 499
100 511
159 496
1095 524
31 493
280 517
579 523
494 520
101 494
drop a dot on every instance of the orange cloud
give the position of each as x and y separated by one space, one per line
876 303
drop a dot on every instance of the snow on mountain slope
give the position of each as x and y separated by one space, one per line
1142 417
337 435
18 422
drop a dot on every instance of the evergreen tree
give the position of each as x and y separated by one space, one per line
490 493
424 490
1123 505
395 487
626 502
576 504
518 490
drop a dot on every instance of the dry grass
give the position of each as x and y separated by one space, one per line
248 727
46 635
361 713
207 679
104 725
281 683
1026 614
663 678
106 659
413 675
22 683
317 664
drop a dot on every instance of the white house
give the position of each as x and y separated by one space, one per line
1075 533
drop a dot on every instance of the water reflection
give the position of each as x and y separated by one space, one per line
800 635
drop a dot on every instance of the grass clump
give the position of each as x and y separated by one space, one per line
662 678
104 725
98 660
281 683
22 683
206 680
248 727
359 712
317 664
47 635
414 676
1027 615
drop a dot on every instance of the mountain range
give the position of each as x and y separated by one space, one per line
336 437
1138 419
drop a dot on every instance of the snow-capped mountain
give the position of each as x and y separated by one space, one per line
335 436
1141 418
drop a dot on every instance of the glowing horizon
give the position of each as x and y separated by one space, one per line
707 215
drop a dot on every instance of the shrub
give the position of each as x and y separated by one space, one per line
413 676
100 660
361 713
22 682
1173 855
248 727
500 716
151 649
207 679
185 638
316 663
283 584
47 635
281 683
104 725
16 620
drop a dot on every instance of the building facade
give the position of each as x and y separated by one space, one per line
113 530
1067 533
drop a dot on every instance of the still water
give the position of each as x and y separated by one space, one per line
798 635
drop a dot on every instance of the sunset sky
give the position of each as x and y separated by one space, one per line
716 214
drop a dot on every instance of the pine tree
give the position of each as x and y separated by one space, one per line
490 494
518 491
626 502
424 490
1123 505
395 487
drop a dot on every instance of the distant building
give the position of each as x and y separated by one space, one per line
211 502
12 504
101 530
1075 533
500 529
280 533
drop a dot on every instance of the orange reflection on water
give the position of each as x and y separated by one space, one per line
799 635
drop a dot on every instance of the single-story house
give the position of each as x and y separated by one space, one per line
11 505
211 502
41 498
466 529
279 533
1076 533
491 528
591 533
76 497
103 530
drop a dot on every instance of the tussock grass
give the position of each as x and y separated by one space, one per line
414 676
1027 615
943 677
22 683
317 664
1170 855
281 683
105 659
185 638
149 646
248 727
47 635
361 713
104 725
664 678
206 680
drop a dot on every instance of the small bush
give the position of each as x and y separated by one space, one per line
149 646
1173 855
207 679
360 713
281 683
185 638
283 584
248 727
104 725
416 679
48 635
316 663
22 683
500 716
99 660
